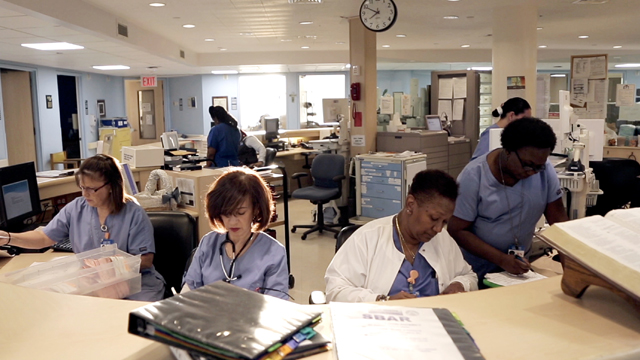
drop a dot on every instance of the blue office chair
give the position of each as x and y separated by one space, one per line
327 171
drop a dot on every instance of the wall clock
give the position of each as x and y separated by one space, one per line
378 15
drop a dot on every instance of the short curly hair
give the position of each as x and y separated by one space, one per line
528 132
229 191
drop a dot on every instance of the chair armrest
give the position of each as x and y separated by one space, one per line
297 176
338 178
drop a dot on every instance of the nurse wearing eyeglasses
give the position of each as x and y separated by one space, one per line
502 196
239 206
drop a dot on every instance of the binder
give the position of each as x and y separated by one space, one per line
222 320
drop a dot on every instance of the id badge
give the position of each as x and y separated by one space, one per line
516 251
106 242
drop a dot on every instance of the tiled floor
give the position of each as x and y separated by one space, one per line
309 258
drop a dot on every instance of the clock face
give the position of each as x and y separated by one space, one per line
378 15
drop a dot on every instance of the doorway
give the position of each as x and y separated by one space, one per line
18 114
145 111
68 105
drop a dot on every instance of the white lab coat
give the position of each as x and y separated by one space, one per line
253 142
367 264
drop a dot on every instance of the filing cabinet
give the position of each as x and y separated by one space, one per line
383 182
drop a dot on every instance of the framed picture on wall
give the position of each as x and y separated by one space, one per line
221 101
102 109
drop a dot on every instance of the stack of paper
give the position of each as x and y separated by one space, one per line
506 279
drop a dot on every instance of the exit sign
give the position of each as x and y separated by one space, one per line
149 81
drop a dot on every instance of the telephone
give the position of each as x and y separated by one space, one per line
355 91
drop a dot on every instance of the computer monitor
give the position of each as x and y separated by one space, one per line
271 127
433 122
170 140
19 196
331 108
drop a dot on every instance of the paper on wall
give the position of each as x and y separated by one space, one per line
581 68
625 94
445 107
578 99
580 86
543 97
145 106
458 109
598 67
460 87
406 105
187 189
386 105
148 119
445 88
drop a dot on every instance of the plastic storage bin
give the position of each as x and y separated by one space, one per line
103 272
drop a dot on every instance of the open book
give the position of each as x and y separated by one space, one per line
608 246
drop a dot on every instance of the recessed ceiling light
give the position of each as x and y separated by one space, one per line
111 67
386 46
188 26
285 39
157 4
465 46
310 37
54 46
223 49
209 39
306 22
583 37
627 65
340 42
401 36
304 47
224 72
246 34
542 46
539 28
558 75
617 46
450 17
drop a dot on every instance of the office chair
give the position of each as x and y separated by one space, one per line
175 234
327 171
620 183
270 157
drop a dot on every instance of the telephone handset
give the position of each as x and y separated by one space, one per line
355 91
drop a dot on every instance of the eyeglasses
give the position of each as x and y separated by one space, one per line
531 168
92 190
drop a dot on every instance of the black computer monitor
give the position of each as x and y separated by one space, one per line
271 129
19 196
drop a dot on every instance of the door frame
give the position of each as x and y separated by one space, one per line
80 109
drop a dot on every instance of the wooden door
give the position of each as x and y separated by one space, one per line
145 111
18 114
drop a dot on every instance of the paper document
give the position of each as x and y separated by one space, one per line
459 88
386 105
444 108
445 89
625 94
187 190
55 173
506 279
458 109
369 331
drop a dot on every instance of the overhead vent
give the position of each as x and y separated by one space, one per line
182 54
305 1
123 30
590 2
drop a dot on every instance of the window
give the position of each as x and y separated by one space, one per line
261 95
314 88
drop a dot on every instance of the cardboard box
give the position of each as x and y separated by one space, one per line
143 156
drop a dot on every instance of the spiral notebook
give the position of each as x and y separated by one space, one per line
222 320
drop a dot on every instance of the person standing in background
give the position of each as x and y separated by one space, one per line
251 152
223 140
512 109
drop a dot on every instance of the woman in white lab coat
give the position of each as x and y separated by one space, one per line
406 255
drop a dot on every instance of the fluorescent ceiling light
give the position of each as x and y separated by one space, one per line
539 28
451 17
223 49
188 26
246 34
542 46
558 75
481 68
157 4
209 40
285 39
465 46
111 67
386 46
304 47
583 37
224 72
340 42
306 22
53 46
627 65
401 36
617 46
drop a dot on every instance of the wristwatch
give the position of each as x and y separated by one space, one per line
382 297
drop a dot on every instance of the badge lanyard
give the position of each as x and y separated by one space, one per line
230 275
513 232
106 238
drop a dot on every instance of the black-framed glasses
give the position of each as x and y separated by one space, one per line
92 190
529 168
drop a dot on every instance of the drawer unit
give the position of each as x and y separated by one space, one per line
383 182
625 152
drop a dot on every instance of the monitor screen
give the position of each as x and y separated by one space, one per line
20 198
433 122
271 125
331 108
170 140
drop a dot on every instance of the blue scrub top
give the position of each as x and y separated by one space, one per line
130 229
482 199
262 266
483 143
426 283
226 140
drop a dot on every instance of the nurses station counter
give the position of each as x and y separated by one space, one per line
529 321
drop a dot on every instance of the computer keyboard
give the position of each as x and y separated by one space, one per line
63 245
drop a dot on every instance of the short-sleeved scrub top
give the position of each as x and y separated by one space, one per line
226 140
483 143
262 267
483 200
130 229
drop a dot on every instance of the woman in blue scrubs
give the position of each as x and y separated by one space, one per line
223 140
503 194
239 206
104 214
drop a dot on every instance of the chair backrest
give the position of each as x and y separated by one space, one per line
619 181
270 157
325 167
344 234
175 234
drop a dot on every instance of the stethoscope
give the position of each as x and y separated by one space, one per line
229 276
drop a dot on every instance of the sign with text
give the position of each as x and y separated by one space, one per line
148 81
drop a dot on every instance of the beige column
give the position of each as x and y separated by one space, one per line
362 53
515 49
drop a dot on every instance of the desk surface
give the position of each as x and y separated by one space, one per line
534 320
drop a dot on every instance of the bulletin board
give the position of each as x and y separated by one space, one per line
589 86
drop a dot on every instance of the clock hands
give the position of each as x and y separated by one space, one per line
377 12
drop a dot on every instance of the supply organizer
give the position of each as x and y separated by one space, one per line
103 272
383 181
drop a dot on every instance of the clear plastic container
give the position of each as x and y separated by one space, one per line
102 272
622 141
632 141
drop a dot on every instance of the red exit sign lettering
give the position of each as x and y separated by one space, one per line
149 81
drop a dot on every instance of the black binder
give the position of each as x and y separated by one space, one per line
222 320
